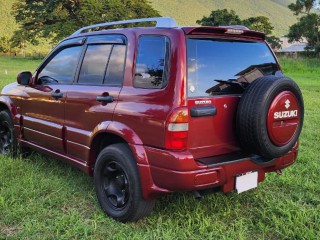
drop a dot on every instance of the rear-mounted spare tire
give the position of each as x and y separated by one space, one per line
270 116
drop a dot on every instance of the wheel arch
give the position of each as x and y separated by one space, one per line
4 105
7 104
113 132
120 133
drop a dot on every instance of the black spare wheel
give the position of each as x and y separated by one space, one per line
270 116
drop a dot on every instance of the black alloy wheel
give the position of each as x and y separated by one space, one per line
7 139
116 186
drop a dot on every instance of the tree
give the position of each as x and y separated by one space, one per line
308 25
224 17
303 6
220 17
7 26
57 19
260 23
5 44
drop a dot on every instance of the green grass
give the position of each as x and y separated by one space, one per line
42 198
11 66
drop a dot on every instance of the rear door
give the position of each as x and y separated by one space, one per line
217 71
91 101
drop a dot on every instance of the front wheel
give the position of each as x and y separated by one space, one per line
117 184
8 141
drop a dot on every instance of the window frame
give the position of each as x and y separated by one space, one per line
98 40
167 55
69 43
82 62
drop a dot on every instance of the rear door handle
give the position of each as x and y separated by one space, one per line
57 94
105 99
203 111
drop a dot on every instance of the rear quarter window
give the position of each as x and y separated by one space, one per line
152 62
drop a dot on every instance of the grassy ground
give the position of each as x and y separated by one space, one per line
41 198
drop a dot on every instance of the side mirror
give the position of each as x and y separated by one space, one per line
24 78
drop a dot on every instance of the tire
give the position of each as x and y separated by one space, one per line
267 122
117 184
8 141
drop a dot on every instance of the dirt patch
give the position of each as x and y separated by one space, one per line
10 230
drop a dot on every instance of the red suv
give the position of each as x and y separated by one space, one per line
152 110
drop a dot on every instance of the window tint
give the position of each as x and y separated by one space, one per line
152 62
114 74
62 67
211 62
94 64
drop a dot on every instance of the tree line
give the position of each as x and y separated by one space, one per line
224 17
57 19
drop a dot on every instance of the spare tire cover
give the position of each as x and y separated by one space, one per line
270 116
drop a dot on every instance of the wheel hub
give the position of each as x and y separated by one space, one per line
5 138
116 185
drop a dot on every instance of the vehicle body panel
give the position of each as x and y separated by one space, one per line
68 128
82 104
43 116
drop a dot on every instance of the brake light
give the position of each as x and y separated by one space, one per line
177 130
234 31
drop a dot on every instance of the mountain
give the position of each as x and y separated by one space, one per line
7 23
187 12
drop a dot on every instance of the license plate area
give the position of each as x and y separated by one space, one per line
246 181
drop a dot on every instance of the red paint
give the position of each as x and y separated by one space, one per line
283 118
213 135
71 128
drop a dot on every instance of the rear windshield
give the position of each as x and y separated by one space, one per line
226 67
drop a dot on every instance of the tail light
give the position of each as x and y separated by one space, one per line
177 129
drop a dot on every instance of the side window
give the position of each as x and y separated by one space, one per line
94 64
103 64
152 62
114 74
62 67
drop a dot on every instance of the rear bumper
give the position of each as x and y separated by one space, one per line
175 171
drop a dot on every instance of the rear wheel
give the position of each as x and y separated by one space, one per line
8 142
117 184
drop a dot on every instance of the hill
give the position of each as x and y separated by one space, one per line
7 23
187 12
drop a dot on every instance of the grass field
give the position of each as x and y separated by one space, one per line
41 198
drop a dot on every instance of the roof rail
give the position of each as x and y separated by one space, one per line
162 22
236 27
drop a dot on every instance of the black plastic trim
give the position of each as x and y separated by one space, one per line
232 158
203 111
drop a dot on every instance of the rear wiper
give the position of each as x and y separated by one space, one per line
231 82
